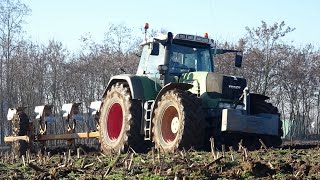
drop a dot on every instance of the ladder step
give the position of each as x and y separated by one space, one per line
147 119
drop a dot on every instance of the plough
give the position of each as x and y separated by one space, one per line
26 131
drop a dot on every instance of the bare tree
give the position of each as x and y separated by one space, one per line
12 15
262 44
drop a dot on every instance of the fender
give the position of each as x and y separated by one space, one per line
141 87
167 87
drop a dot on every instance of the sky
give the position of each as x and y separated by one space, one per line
224 20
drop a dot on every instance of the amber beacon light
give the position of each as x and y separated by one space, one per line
146 26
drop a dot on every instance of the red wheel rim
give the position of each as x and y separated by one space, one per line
167 134
114 121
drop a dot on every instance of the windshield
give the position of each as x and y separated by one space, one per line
187 58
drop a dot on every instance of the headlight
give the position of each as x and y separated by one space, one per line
224 105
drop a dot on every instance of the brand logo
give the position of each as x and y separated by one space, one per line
234 87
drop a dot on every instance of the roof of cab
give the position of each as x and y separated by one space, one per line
184 37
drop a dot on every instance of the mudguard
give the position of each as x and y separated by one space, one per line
169 86
141 87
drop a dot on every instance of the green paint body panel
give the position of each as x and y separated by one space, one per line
210 103
199 82
197 79
145 88
150 88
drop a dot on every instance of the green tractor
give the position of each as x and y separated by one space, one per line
177 101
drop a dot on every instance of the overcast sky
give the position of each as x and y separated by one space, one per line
68 20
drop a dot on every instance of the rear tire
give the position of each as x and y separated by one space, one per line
178 122
20 127
120 121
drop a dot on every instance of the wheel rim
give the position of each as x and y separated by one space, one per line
170 124
114 121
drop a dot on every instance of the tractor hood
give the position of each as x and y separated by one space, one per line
215 85
225 87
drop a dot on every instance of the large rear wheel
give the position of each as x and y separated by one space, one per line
178 121
120 121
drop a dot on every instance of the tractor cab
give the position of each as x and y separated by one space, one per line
189 58
168 57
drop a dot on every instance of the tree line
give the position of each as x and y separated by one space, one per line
33 74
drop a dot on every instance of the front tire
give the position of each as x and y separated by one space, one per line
120 121
178 122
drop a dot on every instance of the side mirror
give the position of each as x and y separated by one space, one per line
155 49
238 61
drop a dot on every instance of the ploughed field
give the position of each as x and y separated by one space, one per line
291 161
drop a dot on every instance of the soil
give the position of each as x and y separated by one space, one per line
287 162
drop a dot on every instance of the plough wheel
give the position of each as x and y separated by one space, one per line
20 127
